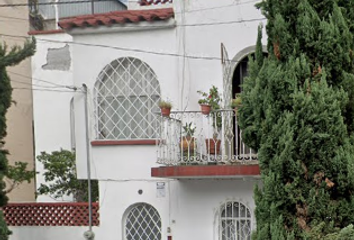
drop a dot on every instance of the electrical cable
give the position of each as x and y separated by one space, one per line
138 50
44 90
39 80
33 84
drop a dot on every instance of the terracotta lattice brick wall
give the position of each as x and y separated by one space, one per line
50 214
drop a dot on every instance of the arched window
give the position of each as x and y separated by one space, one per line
234 221
127 93
142 221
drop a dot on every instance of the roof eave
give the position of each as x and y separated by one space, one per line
125 27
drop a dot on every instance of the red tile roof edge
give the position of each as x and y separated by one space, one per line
40 32
117 17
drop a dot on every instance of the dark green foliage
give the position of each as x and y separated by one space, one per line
4 231
60 173
298 113
8 58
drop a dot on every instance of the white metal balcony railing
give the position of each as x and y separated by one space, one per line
192 138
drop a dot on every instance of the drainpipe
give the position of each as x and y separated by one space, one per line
89 234
56 11
92 6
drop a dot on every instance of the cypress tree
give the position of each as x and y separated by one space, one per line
298 113
8 58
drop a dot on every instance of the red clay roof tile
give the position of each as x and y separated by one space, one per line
117 17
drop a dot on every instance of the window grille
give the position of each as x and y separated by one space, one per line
127 93
235 222
143 222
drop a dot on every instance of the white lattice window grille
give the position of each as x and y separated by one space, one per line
127 93
234 221
142 222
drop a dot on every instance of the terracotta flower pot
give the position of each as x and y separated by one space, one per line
205 109
213 146
165 112
187 144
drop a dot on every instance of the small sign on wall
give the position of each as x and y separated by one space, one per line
160 189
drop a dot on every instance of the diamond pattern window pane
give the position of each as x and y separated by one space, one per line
235 222
127 93
143 223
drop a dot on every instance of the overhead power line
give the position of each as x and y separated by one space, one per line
33 84
48 3
23 4
124 48
44 90
142 50
41 80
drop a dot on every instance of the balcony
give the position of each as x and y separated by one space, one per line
45 14
154 2
193 144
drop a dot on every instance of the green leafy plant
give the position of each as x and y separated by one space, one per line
237 101
60 175
17 174
188 130
211 98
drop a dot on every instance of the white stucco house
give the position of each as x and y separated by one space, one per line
111 70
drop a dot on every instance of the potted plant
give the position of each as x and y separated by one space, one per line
213 99
165 107
209 101
188 141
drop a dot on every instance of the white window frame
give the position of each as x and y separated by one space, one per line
132 217
127 93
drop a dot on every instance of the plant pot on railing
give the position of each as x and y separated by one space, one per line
205 109
165 112
213 146
165 107
210 100
187 145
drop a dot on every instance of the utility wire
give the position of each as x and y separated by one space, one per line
33 84
49 3
40 80
89 1
218 7
44 90
141 50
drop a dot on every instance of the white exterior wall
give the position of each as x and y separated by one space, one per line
189 206
51 103
195 204
49 233
95 59
179 78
